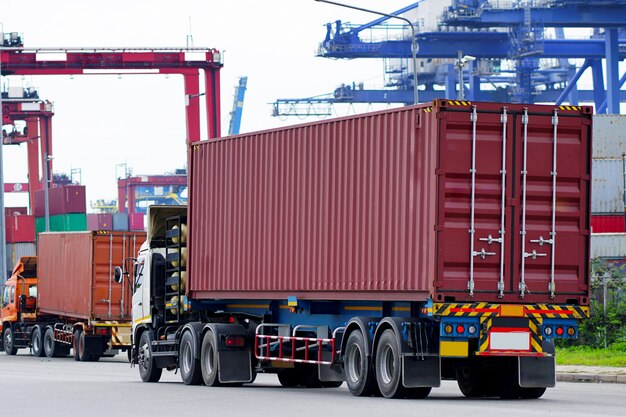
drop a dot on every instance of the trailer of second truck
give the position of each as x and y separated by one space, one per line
389 250
66 297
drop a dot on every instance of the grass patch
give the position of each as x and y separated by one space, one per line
615 355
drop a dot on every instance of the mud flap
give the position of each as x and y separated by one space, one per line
234 366
421 371
537 371
328 373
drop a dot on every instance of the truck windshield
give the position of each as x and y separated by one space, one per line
5 296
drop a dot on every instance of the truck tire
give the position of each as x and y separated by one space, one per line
146 363
288 378
472 382
75 339
190 368
83 354
208 360
388 366
8 340
36 342
533 393
48 342
358 368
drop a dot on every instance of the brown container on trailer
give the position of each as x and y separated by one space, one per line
75 273
382 206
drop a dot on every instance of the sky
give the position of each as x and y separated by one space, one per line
102 121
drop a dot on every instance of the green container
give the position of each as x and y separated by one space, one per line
73 222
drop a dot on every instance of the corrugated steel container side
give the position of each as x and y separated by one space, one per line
73 222
333 210
609 135
14 211
136 221
20 229
608 186
608 245
608 224
376 207
68 199
75 274
120 221
16 250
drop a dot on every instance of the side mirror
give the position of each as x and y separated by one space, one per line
118 274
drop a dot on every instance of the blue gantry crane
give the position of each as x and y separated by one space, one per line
516 33
237 112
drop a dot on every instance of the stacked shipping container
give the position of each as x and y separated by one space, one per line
118 222
608 223
20 235
66 206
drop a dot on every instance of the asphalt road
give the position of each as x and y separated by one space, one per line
62 387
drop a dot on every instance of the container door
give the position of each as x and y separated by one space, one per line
474 182
553 184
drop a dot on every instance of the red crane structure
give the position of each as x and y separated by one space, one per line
188 62
37 114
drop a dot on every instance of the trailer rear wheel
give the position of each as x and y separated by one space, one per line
388 367
36 341
48 342
358 370
8 339
208 360
83 354
75 347
288 378
533 393
190 368
146 363
472 382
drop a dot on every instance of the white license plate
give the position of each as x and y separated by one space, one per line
509 340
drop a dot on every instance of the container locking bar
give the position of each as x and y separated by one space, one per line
470 284
522 283
552 286
503 119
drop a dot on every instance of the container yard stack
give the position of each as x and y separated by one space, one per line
100 221
20 235
608 223
67 209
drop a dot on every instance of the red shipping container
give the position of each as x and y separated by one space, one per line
75 274
135 221
608 224
20 229
101 221
61 200
380 207
14 211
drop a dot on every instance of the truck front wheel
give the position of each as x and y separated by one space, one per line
358 370
190 371
8 339
208 360
147 366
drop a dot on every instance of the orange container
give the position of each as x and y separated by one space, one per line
75 272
